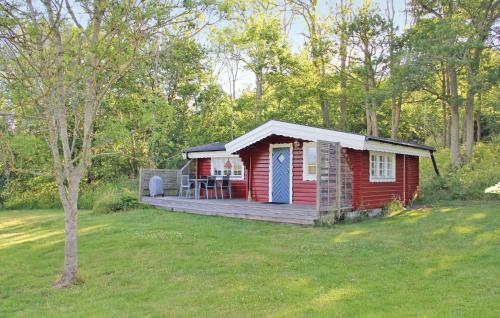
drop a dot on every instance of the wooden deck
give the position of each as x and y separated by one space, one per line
239 208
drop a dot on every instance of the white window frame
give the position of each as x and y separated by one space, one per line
386 156
225 159
306 176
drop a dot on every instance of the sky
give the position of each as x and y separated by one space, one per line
296 39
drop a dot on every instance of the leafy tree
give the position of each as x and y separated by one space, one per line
66 67
320 48
370 35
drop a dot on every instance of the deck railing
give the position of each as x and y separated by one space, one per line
170 177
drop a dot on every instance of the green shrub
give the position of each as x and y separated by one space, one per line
464 183
35 192
116 201
41 192
90 193
392 207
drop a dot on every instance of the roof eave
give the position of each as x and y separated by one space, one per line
405 144
296 131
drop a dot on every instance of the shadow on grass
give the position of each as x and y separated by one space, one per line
23 230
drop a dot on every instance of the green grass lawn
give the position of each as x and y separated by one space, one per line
439 262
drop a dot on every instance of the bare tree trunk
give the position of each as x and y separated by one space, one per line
478 119
448 133
395 101
325 110
444 129
444 108
469 104
258 96
373 102
70 198
469 126
396 116
367 108
370 88
374 121
343 93
455 117
343 61
325 107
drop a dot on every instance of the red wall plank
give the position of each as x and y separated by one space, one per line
304 192
368 194
238 187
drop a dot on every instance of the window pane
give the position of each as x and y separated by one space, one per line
311 160
237 167
311 155
381 166
389 167
217 167
311 169
227 167
373 163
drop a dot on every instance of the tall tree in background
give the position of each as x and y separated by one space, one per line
396 85
229 56
343 34
320 49
369 35
464 28
67 66
262 40
480 17
257 36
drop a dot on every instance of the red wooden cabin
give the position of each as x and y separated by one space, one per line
281 162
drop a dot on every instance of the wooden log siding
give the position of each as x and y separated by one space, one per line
170 177
369 195
334 179
304 192
238 187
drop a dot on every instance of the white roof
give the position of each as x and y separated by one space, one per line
347 140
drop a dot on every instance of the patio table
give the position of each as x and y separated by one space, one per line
197 186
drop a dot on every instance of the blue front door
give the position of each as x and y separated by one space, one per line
280 175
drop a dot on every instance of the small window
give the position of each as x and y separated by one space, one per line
232 167
382 167
217 167
309 161
237 168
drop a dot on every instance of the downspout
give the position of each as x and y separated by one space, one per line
404 180
434 162
249 183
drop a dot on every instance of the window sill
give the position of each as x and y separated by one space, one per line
382 180
236 178
308 178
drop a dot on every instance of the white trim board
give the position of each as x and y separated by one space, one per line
385 147
273 127
209 154
347 140
270 185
